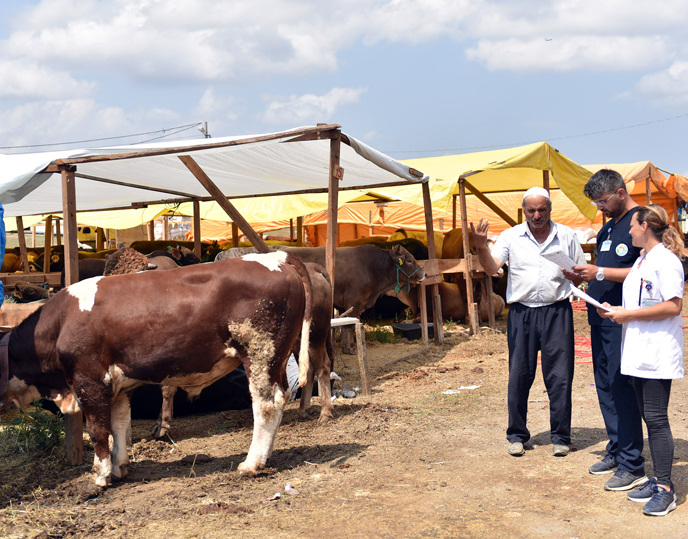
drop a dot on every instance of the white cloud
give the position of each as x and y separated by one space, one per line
29 80
566 54
48 122
667 86
310 108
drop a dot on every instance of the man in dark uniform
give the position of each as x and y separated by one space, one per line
615 256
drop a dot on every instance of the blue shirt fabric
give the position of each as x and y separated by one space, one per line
621 254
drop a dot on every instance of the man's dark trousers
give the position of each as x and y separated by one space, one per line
529 330
617 399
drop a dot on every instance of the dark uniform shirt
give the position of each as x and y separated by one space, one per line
621 254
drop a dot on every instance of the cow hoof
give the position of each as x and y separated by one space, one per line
119 474
101 482
245 469
326 418
303 414
158 431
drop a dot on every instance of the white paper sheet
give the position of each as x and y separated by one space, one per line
585 297
561 259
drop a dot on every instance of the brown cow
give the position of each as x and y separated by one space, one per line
93 343
363 274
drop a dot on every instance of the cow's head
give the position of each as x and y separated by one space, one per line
408 270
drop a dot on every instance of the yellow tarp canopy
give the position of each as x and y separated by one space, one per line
498 171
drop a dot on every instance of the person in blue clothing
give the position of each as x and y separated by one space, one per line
615 257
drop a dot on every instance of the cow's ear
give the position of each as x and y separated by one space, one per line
175 253
396 249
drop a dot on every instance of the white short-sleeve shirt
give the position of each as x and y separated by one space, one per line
653 348
533 280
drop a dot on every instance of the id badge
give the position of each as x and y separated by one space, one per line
606 245
648 302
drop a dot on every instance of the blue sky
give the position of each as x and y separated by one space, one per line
411 78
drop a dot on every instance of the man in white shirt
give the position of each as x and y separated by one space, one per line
540 315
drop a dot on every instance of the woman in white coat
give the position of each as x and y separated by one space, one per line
652 348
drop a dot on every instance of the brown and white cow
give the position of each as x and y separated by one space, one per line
320 356
89 346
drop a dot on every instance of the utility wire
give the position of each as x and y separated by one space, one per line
181 127
546 140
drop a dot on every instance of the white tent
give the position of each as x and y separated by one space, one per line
297 161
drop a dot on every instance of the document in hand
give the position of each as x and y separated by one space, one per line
582 295
561 259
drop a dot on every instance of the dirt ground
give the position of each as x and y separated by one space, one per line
409 461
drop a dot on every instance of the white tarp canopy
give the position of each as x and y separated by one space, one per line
240 166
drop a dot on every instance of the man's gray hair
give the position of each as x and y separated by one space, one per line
604 182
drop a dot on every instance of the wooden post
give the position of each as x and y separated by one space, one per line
150 229
545 179
33 236
432 254
235 235
165 227
299 230
47 243
22 245
291 229
332 208
520 216
74 423
470 301
453 211
197 228
648 191
370 223
58 235
100 238
225 204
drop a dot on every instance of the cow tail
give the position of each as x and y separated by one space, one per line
304 362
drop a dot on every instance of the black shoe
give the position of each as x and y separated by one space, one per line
607 465
623 480
644 493
661 503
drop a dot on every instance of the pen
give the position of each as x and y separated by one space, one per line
640 294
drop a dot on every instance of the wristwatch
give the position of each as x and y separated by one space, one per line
600 274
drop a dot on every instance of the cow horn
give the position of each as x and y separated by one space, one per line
152 266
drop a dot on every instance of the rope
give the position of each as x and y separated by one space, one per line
406 287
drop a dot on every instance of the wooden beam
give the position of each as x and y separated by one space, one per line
470 301
244 196
33 236
225 204
135 186
189 149
291 229
488 203
197 228
648 191
58 233
150 229
454 211
235 235
47 243
545 180
74 423
165 227
332 209
432 255
299 230
22 245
